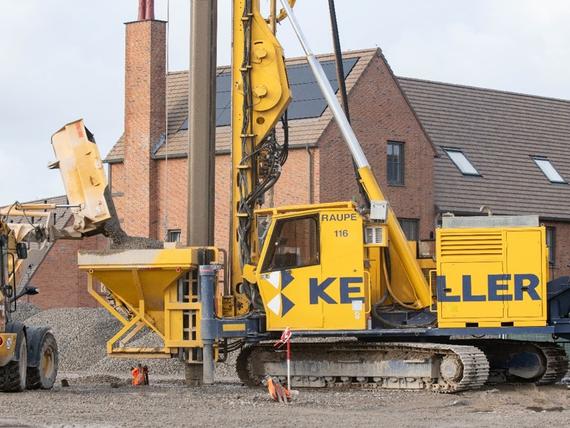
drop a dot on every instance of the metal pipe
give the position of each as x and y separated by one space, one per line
149 9
342 89
411 268
332 101
273 16
338 60
207 280
142 10
202 122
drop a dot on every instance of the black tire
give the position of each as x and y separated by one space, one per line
13 374
43 376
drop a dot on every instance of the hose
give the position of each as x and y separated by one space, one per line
390 292
389 287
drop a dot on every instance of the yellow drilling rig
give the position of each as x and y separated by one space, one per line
341 270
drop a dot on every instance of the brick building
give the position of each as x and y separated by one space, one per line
315 146
434 148
502 152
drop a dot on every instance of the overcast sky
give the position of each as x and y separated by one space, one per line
64 59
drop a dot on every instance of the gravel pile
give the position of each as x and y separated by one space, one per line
24 311
162 367
145 339
82 335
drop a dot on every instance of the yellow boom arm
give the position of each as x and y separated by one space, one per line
261 95
397 238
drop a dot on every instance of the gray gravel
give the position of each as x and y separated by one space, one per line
91 402
100 394
24 311
82 335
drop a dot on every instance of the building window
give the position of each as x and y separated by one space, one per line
411 228
173 235
461 162
551 244
548 170
395 166
294 243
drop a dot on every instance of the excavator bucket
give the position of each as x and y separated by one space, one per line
82 172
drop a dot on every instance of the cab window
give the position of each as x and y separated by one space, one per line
294 243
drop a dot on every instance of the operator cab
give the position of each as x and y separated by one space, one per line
306 254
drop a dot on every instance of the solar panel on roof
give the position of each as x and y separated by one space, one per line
308 101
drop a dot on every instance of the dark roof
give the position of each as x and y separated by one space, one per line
62 215
309 116
308 100
498 132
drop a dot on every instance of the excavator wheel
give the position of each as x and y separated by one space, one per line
44 359
13 374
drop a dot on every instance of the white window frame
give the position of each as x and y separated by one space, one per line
171 233
549 171
461 162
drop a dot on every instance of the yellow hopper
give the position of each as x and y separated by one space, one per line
148 288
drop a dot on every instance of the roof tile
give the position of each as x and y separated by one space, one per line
302 132
499 132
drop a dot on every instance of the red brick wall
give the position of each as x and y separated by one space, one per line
293 185
171 190
144 122
379 114
117 183
60 281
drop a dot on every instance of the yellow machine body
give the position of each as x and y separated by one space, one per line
81 168
314 273
492 277
311 271
155 289
7 347
262 76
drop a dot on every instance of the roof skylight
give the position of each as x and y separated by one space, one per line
461 162
548 170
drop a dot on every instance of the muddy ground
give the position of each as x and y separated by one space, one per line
108 401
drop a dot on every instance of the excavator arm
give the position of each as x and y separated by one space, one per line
81 168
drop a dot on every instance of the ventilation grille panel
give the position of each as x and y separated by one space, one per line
483 244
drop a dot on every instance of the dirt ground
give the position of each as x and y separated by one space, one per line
108 401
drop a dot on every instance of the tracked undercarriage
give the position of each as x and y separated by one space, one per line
513 361
439 367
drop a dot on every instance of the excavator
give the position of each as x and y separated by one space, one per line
341 270
29 355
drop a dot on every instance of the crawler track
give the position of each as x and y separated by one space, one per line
514 361
418 366
556 363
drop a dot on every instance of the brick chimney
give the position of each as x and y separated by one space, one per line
145 95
